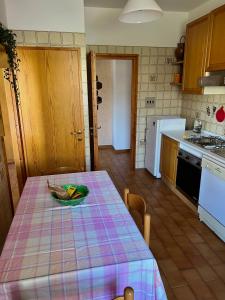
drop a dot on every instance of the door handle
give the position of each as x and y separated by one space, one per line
78 132
99 127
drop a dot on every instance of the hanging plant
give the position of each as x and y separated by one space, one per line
8 41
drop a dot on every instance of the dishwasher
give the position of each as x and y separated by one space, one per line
212 196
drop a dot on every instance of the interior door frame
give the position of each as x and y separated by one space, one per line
18 112
134 89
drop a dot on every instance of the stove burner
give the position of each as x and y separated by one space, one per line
208 142
220 152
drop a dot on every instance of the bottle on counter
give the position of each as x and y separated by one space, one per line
197 124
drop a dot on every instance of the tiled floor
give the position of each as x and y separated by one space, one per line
191 258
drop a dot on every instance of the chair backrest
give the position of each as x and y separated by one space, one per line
128 294
137 208
134 202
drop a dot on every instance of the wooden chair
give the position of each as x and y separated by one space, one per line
137 208
128 294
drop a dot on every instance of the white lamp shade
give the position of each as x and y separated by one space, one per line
140 11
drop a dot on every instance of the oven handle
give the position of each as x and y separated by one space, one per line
189 162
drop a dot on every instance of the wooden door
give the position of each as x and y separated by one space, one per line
168 166
6 207
217 41
92 99
51 110
196 45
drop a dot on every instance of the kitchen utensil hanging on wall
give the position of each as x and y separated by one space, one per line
179 51
220 114
98 87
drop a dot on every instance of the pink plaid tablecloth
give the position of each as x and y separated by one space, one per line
91 251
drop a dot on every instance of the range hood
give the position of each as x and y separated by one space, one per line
213 79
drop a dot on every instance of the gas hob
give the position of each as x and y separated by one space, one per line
213 143
207 142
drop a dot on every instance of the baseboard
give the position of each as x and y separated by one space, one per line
112 148
121 151
180 195
105 147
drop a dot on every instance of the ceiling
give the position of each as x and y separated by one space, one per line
167 5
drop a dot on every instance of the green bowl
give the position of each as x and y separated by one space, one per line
80 188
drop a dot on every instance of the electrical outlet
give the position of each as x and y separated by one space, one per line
153 77
169 60
150 102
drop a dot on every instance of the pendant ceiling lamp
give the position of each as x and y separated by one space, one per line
140 11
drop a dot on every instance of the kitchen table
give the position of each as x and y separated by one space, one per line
90 251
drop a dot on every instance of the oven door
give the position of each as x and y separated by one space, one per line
188 177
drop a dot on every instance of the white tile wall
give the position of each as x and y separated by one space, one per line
154 78
63 39
199 103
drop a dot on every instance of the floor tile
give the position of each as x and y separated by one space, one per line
184 293
218 288
198 286
190 256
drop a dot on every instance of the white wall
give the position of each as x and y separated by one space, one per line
103 28
114 114
105 75
46 15
204 9
122 70
3 18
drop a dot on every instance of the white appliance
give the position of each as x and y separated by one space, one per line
212 196
155 126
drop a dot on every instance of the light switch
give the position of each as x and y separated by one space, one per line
150 102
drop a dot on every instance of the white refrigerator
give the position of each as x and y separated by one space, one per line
155 126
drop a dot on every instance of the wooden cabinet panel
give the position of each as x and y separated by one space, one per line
197 36
168 166
6 212
217 41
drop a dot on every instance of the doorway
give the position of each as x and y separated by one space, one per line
112 104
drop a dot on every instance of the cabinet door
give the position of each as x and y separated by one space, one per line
196 46
169 151
217 41
6 213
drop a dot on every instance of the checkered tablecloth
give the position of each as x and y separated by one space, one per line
91 251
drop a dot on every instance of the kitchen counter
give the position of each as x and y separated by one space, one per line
181 136
209 181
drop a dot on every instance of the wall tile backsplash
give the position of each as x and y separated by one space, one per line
193 104
154 77
63 39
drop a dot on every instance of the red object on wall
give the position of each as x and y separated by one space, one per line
220 114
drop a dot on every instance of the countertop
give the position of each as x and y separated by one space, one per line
181 136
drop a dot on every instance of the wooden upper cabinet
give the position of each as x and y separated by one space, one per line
197 36
217 41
